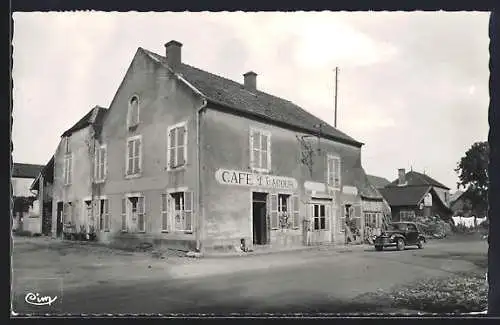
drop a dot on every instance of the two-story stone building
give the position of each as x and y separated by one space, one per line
188 158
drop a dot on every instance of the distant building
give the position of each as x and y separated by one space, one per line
378 182
415 195
25 215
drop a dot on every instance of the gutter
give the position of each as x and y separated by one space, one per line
198 174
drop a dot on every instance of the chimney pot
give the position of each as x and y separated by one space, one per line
401 176
173 53
250 80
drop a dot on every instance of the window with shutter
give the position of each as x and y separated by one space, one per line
260 150
134 155
177 145
68 169
274 211
333 171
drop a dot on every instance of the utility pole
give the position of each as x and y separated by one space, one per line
336 82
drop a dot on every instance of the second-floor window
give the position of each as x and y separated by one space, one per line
68 168
177 145
260 150
333 171
100 163
134 155
133 112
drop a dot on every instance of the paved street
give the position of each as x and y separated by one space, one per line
310 281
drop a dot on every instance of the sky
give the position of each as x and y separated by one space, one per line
412 86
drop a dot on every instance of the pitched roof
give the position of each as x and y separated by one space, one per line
455 196
47 171
21 170
233 95
378 182
418 179
404 196
94 116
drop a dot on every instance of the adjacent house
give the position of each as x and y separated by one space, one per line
43 187
415 195
187 158
25 214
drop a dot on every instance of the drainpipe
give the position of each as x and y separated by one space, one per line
198 175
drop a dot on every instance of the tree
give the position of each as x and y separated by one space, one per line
473 177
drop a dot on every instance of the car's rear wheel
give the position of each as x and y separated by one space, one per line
379 248
400 244
420 243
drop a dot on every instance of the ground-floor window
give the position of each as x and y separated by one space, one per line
68 213
177 211
104 222
320 216
406 215
133 211
284 211
372 219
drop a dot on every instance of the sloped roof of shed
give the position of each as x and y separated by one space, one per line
404 195
21 170
94 116
234 95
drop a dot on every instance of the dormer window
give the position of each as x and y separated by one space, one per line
133 112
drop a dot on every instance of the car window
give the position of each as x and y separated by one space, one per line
412 228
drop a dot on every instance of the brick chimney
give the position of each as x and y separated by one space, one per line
173 54
401 176
250 80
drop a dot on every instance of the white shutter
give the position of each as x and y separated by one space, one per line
251 144
295 208
124 214
188 211
328 216
185 144
107 219
165 212
268 152
274 211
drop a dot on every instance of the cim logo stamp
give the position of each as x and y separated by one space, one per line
37 300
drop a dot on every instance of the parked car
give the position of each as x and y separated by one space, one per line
399 235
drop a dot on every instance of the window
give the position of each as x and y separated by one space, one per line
134 157
67 213
137 210
260 150
100 164
183 210
371 220
177 211
345 217
177 145
68 169
320 216
333 171
67 148
133 210
133 112
406 215
87 207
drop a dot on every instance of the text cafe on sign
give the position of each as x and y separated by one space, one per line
241 178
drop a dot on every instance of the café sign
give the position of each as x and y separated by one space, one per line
241 178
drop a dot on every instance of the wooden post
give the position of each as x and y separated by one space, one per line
40 200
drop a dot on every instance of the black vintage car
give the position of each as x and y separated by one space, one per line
399 235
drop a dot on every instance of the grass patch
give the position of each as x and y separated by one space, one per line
459 293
